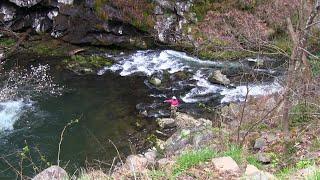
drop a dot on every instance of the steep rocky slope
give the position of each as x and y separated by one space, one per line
209 28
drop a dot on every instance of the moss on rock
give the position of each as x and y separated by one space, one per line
86 64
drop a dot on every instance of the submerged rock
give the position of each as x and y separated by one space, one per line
52 173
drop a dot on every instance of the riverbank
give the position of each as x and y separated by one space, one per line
222 148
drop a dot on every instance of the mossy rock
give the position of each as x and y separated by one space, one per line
224 55
86 64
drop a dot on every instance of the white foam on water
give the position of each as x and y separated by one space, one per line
202 90
10 112
240 92
152 62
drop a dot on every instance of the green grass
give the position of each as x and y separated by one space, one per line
315 144
157 174
285 172
254 161
284 43
235 152
304 164
193 158
301 113
314 176
315 66
7 42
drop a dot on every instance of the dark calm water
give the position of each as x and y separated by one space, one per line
105 107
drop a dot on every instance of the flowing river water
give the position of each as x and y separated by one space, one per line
107 104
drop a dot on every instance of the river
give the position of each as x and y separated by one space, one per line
107 105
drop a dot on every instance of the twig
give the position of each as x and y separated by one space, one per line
61 138
116 150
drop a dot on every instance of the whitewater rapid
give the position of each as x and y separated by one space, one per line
10 112
151 63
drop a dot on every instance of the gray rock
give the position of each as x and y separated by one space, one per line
169 25
225 164
52 173
161 163
218 78
166 123
304 173
264 158
136 163
7 12
260 143
271 137
200 139
151 155
253 173
155 81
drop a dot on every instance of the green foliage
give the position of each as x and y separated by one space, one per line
283 42
201 8
254 161
88 61
315 65
285 172
25 152
274 159
192 158
315 144
301 113
235 152
303 164
314 176
157 174
7 42
224 55
136 12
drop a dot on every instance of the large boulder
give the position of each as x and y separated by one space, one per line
166 123
253 173
7 12
80 25
52 173
225 164
136 163
172 17
218 78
